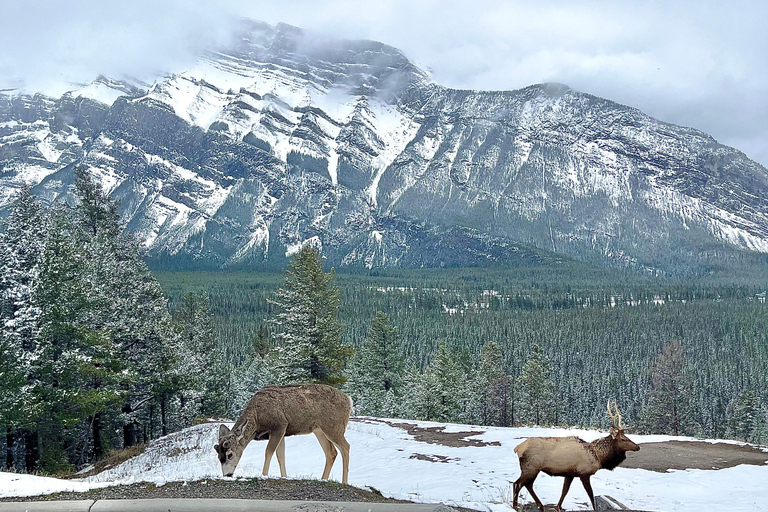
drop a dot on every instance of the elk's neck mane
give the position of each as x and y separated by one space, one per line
607 454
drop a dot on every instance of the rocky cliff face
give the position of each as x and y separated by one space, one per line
290 138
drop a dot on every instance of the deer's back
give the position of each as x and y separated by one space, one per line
304 407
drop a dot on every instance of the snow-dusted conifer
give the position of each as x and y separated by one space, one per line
747 421
537 391
375 372
668 408
309 346
22 242
201 368
440 392
491 401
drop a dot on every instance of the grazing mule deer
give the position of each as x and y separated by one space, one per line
571 457
275 412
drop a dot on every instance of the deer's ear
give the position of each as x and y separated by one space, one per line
216 447
241 434
223 430
614 432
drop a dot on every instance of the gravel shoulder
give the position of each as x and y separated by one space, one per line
253 488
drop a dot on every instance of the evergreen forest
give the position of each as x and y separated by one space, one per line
97 353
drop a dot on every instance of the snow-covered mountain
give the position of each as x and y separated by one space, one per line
289 138
476 474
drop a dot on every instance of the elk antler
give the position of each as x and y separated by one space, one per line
616 415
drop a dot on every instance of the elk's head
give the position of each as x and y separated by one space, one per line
621 442
229 448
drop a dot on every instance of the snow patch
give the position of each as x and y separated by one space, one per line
314 241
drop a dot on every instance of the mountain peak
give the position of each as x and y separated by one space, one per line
288 136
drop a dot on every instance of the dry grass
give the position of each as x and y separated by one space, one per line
111 459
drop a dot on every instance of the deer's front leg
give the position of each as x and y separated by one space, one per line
275 438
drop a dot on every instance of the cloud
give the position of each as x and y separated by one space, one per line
695 63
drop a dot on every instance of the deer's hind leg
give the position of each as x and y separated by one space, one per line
280 452
328 449
566 486
341 443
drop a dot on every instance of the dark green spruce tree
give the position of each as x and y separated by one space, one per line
668 406
309 347
376 371
537 390
492 401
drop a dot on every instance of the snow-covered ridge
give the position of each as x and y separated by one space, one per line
386 457
363 152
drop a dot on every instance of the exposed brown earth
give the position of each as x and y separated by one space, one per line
438 435
694 455
652 456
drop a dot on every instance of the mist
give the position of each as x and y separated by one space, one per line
700 64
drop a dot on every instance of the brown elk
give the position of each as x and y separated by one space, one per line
276 412
571 457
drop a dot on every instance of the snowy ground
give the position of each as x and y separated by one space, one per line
384 457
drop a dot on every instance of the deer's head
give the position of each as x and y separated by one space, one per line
230 448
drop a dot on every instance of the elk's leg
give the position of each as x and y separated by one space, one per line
588 488
515 491
275 438
566 486
529 486
281 457
328 449
526 480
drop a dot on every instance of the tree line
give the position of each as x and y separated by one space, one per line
507 380
91 357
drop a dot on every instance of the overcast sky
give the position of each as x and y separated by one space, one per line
696 63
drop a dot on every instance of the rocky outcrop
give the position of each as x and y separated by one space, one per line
292 138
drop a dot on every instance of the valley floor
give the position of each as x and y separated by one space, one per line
460 465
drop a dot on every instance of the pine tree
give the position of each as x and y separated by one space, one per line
424 399
668 408
747 420
203 375
21 249
375 372
537 389
129 304
78 369
440 392
491 389
309 346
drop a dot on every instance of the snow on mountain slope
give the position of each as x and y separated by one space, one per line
301 137
389 459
